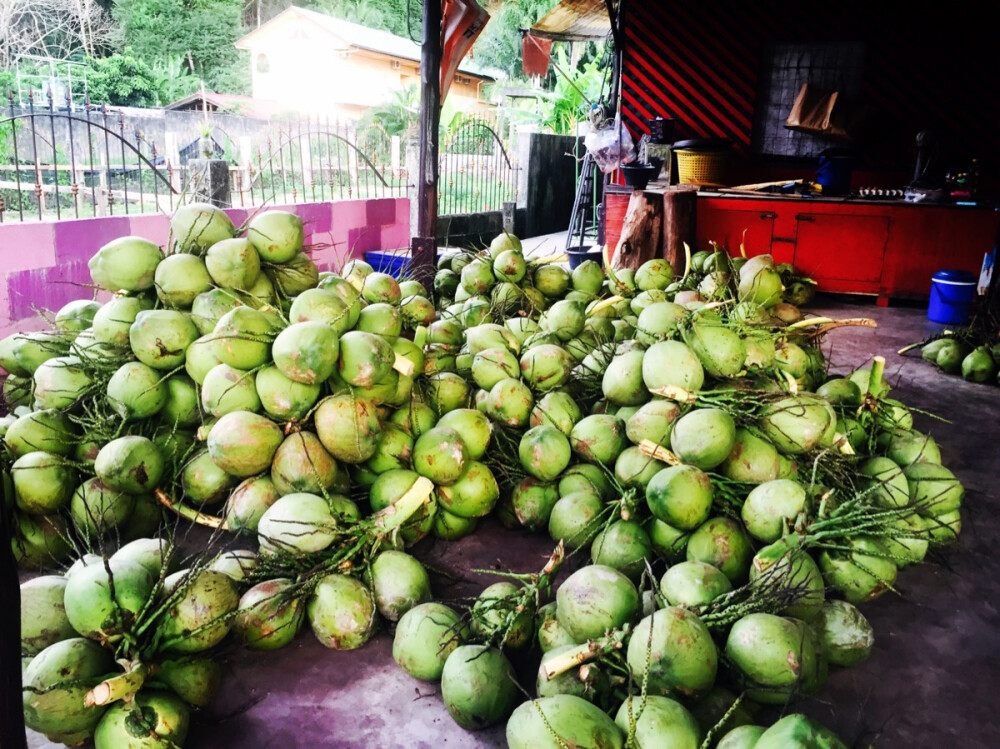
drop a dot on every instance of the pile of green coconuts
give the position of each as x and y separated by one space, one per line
719 506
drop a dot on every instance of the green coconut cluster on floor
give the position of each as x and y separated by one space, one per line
724 502
972 352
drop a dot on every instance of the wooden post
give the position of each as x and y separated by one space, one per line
679 212
642 230
424 245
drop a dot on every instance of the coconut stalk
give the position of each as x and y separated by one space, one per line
120 687
589 651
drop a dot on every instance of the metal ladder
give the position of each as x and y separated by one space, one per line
584 230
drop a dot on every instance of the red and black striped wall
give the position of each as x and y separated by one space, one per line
925 65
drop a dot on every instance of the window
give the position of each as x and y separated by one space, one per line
263 64
784 68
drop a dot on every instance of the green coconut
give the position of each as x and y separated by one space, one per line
546 367
348 427
586 477
634 469
342 612
532 501
861 573
933 489
753 459
324 305
595 599
544 452
799 423
381 319
703 437
671 363
771 507
720 350
269 615
209 307
658 722
306 352
477 277
153 720
772 656
76 316
131 464
511 402
41 541
723 543
43 613
399 582
847 636
282 398
623 382
886 484
474 494
575 518
297 523
102 601
48 430
97 510
840 391
248 503
31 350
43 483
950 356
60 382
693 584
125 264
562 720
278 236
494 613
179 279
302 464
478 686
200 609
599 438
675 650
203 481
906 447
56 682
623 545
550 633
796 570
425 636
182 408
653 421
243 337
243 443
798 732
680 496
556 409
159 337
226 390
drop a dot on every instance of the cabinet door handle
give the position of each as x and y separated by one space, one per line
768 215
804 217
790 240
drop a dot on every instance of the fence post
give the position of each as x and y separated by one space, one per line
209 182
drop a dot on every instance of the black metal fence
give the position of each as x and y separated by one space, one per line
59 162
477 172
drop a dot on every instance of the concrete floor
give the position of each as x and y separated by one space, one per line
932 680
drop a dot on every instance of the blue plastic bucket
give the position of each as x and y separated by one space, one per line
952 292
393 263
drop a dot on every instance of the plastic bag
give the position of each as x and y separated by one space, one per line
610 146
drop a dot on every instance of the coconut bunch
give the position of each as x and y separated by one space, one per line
973 353
121 646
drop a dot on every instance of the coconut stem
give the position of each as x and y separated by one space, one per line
402 509
590 650
118 687
650 448
403 365
687 262
875 383
675 393
858 322
189 513
604 304
560 257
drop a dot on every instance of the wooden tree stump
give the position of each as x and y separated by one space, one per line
642 230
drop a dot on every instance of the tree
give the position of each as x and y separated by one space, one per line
387 15
122 80
61 29
499 46
201 32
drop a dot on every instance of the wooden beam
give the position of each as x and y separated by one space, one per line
424 245
11 707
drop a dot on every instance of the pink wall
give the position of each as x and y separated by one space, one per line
44 265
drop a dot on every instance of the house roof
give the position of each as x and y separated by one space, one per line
361 37
247 106
574 20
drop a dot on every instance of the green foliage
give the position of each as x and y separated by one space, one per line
387 15
399 114
121 79
202 33
173 80
499 46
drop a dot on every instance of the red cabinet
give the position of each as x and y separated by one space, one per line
889 249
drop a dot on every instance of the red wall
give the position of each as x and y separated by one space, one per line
925 65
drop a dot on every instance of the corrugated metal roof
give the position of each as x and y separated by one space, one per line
574 20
